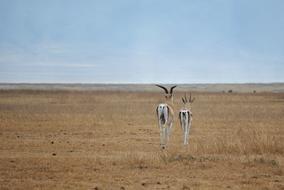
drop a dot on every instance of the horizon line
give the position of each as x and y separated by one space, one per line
129 83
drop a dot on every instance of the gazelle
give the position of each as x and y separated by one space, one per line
165 114
185 117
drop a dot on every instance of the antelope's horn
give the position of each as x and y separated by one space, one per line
172 88
191 99
165 89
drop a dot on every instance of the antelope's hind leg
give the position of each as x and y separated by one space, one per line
169 129
186 132
183 127
186 135
163 137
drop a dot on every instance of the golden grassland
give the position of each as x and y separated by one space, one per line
110 140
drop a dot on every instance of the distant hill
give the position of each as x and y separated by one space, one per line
257 87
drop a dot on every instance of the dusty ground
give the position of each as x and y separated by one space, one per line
110 140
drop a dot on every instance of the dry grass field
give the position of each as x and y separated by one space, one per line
110 140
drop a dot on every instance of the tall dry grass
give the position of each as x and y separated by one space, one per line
250 141
241 142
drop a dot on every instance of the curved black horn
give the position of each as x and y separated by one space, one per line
172 88
166 90
183 100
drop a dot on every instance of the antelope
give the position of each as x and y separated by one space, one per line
165 114
185 117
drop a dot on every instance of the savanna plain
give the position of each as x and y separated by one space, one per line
83 139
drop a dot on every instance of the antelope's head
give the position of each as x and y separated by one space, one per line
187 101
168 93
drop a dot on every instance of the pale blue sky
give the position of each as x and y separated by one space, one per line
145 41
